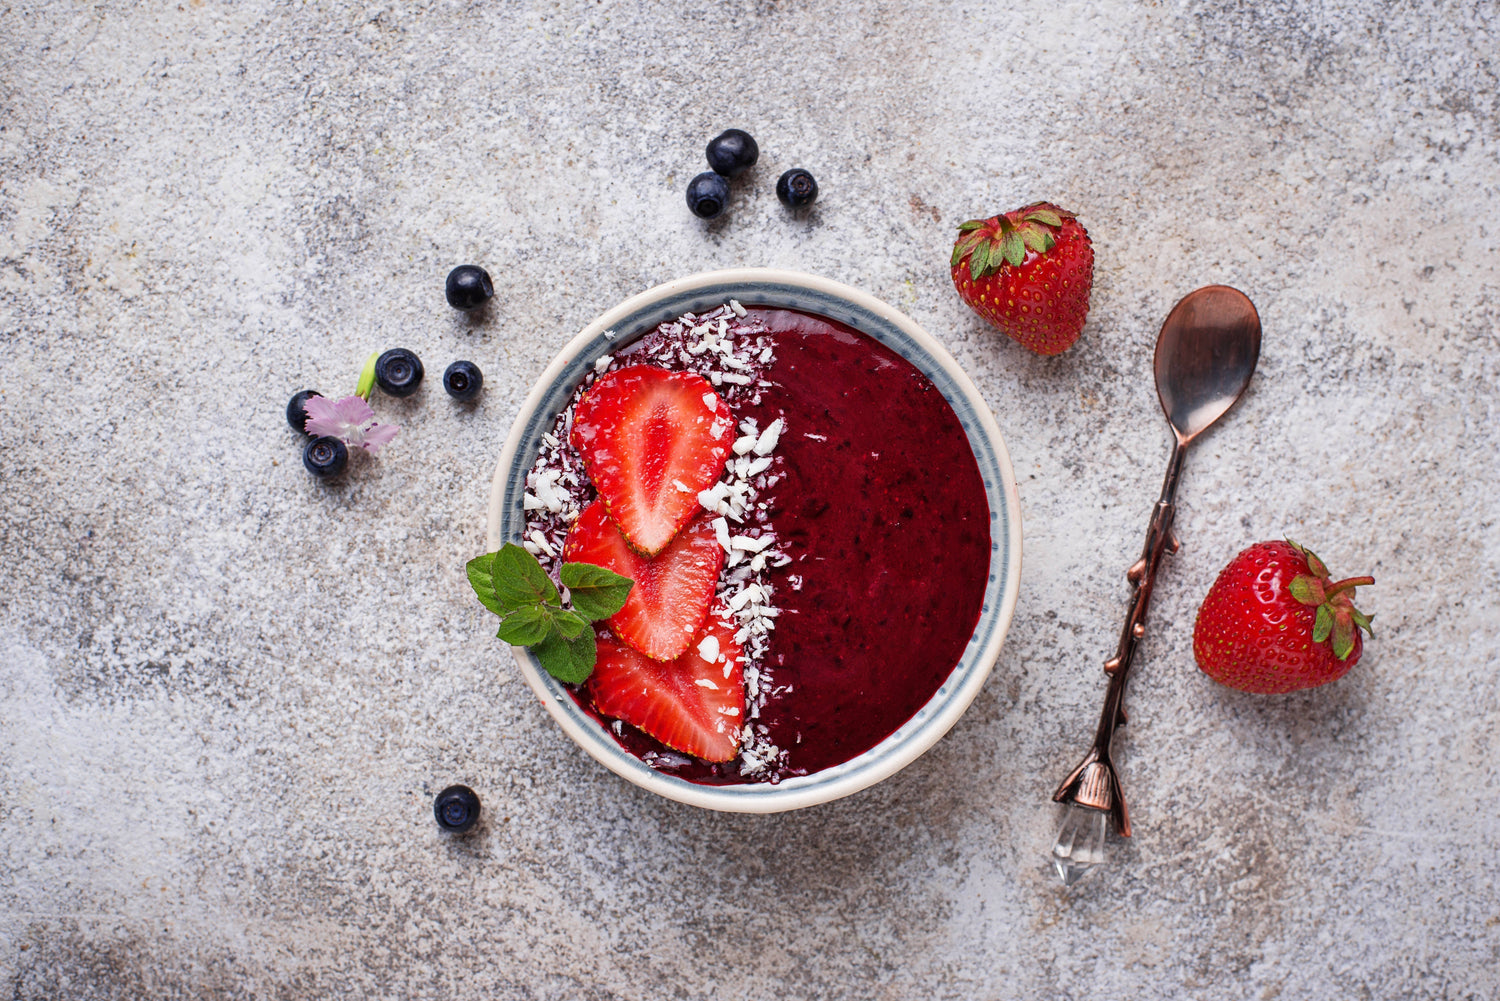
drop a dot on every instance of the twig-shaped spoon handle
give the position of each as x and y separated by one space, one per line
1094 783
1205 356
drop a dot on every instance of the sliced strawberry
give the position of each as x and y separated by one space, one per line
672 589
692 704
651 440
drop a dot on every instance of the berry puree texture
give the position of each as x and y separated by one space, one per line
871 523
884 515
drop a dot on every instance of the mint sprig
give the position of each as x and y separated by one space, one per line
511 583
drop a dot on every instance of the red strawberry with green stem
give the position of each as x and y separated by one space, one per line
651 440
694 704
1275 622
672 589
1029 272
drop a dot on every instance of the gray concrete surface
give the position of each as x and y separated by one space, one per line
228 693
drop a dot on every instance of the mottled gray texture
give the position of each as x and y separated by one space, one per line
228 692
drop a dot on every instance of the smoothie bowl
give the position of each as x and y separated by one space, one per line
828 598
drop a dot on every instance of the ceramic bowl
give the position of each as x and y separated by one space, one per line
765 287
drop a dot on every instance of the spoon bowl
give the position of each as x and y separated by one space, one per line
1205 355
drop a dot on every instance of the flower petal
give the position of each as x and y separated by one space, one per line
377 435
323 418
354 410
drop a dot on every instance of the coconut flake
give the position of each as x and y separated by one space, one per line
750 545
542 545
769 437
709 648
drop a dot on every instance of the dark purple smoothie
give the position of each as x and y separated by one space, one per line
883 513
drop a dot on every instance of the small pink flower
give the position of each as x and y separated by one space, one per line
350 419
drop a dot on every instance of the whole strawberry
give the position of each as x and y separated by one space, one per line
1273 622
1029 272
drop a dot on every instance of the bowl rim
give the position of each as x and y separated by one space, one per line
943 710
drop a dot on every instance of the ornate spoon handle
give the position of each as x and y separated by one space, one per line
1094 785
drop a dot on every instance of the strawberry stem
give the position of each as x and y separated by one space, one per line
1347 584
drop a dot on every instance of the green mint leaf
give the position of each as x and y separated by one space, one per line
526 626
481 570
569 661
582 653
520 580
596 592
512 584
569 624
552 653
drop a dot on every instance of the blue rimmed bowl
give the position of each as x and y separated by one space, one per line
790 290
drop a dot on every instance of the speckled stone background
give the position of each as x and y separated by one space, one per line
228 692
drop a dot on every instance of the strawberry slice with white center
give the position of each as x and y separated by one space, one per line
694 704
651 440
672 590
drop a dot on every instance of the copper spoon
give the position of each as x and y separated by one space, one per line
1205 355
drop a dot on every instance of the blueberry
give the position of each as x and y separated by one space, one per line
796 188
732 152
296 412
469 287
463 381
325 456
707 195
456 809
398 372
